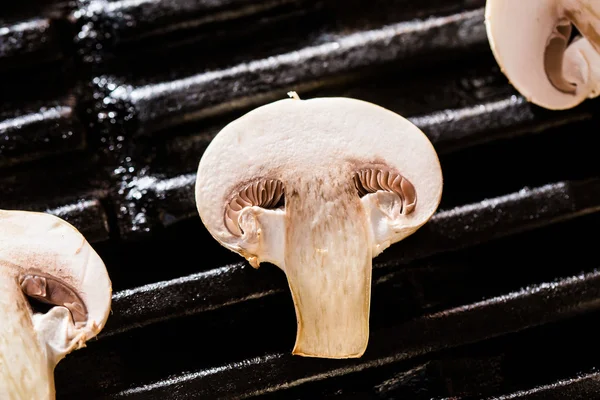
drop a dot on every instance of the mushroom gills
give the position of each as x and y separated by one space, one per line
264 193
50 290
554 55
373 180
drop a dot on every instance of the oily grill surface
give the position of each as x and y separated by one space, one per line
105 110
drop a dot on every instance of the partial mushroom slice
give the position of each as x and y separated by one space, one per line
44 258
531 41
319 187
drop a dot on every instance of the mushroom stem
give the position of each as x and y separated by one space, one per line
25 372
328 267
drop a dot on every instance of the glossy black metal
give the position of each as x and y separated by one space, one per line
577 388
40 130
459 326
28 41
109 29
169 103
108 105
450 230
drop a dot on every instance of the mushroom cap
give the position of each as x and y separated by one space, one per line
39 243
292 137
518 32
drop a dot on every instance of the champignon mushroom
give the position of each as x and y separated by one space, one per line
319 187
45 258
531 41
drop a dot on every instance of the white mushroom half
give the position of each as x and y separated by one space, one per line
531 41
319 187
45 258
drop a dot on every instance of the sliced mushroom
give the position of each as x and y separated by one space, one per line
319 187
44 258
532 42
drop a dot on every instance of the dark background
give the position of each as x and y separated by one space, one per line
107 106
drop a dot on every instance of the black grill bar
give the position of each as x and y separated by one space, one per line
547 359
529 307
168 103
53 128
116 26
450 131
449 230
583 387
88 213
28 41
454 129
50 130
400 294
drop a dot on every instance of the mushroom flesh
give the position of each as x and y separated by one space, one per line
44 258
319 187
534 43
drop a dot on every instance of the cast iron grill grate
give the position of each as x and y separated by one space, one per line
106 107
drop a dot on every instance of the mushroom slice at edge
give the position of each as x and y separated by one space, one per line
351 173
530 41
44 257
